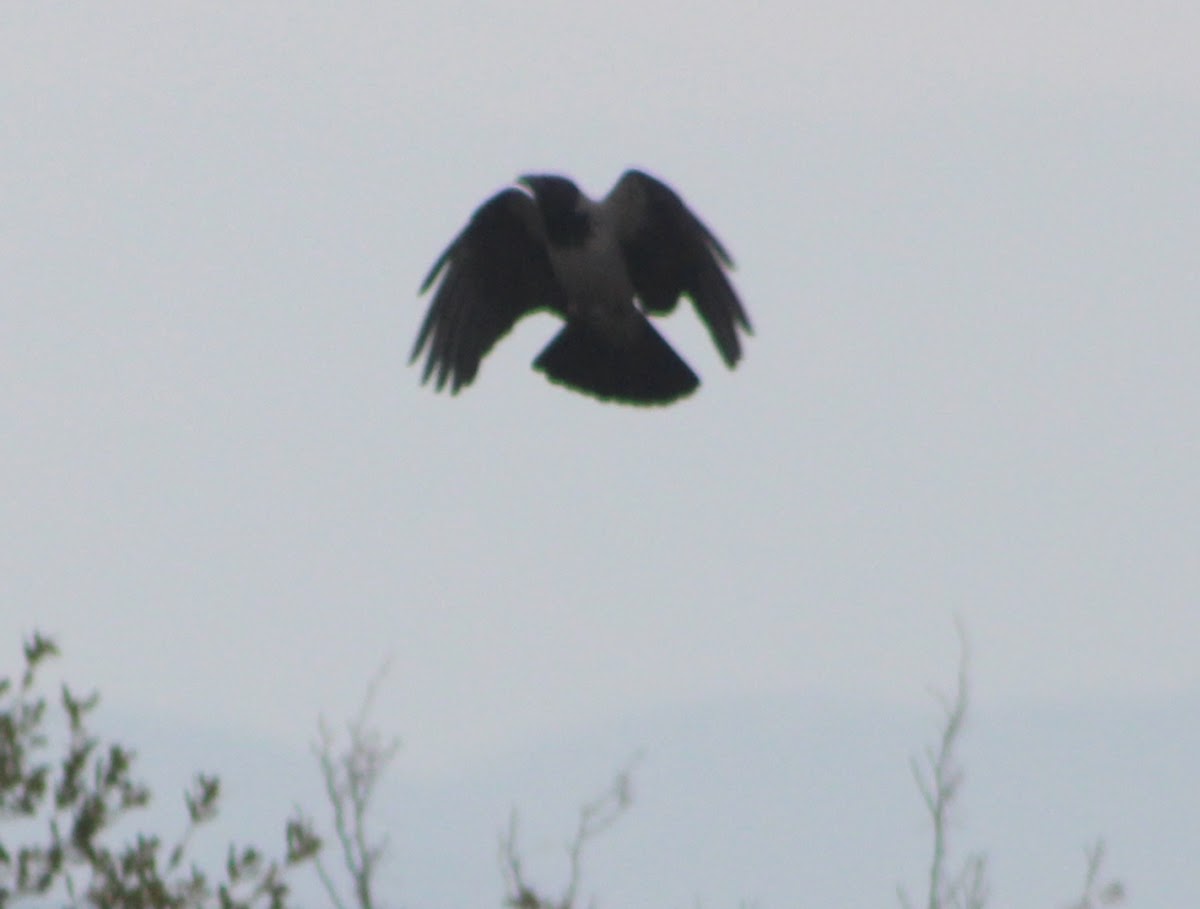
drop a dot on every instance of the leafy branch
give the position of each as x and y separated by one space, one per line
76 798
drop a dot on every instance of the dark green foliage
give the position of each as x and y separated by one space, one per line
62 791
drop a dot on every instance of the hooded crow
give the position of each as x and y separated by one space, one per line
602 267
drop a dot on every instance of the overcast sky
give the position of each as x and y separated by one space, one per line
966 237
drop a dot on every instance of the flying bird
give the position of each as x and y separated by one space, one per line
602 267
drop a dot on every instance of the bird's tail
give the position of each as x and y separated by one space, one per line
646 371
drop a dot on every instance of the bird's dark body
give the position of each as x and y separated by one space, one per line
591 264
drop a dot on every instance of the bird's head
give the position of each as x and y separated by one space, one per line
552 192
563 208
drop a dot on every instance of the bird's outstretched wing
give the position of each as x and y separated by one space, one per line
493 273
669 252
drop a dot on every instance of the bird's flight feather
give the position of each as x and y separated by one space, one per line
493 273
671 253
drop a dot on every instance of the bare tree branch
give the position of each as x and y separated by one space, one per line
351 778
595 817
1095 894
939 779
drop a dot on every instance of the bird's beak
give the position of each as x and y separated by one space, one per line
531 182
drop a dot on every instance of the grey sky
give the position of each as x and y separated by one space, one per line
966 238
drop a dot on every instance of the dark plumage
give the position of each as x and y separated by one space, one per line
602 267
